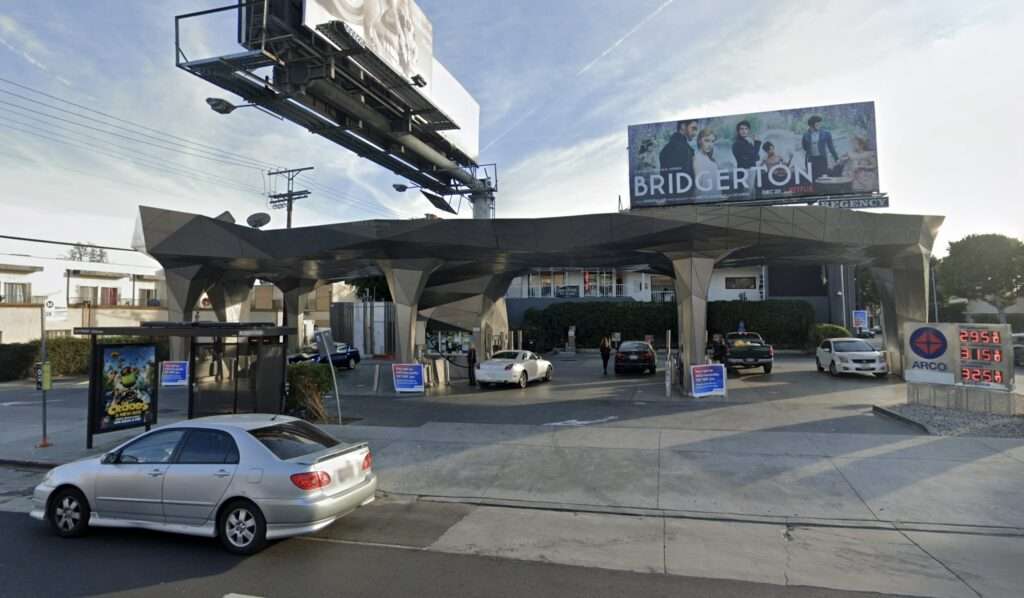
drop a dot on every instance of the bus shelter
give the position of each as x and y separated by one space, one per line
228 368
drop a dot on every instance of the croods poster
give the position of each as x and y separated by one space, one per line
127 397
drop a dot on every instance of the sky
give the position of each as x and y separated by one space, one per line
557 82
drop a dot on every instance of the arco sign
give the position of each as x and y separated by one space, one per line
927 353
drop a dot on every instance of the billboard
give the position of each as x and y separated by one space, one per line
126 393
396 31
782 155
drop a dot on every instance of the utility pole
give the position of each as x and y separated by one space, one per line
286 199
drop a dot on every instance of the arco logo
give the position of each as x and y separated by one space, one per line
928 343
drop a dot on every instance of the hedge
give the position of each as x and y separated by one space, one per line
784 323
824 331
16 360
69 356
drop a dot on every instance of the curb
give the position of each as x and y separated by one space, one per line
901 418
30 464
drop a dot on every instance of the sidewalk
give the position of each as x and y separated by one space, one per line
885 481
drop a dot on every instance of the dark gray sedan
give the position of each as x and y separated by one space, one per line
244 479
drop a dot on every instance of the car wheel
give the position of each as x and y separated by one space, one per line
768 369
69 513
832 369
352 363
242 528
818 364
523 380
547 375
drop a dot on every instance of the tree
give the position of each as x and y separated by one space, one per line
83 252
867 290
373 287
986 268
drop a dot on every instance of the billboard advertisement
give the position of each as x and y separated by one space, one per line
126 393
396 31
781 155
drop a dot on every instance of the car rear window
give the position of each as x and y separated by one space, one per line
633 346
505 355
851 346
293 439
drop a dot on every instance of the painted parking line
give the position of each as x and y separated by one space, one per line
586 422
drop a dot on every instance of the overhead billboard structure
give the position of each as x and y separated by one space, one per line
396 31
400 35
782 155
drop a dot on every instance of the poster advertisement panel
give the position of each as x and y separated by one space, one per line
408 377
125 388
780 155
860 318
708 379
173 373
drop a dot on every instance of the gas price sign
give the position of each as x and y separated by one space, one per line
985 356
979 355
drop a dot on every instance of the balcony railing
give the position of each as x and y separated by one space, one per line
121 302
663 296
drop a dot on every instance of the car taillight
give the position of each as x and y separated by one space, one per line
311 480
509 367
367 461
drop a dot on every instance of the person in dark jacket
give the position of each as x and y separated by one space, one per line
677 155
746 148
471 361
606 352
816 142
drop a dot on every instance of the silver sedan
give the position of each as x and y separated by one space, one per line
244 479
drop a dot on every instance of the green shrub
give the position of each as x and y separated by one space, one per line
307 385
16 360
826 331
68 356
784 323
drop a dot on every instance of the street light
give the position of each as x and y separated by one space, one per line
222 106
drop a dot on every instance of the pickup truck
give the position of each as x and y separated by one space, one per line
748 350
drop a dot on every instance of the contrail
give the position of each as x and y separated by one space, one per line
583 70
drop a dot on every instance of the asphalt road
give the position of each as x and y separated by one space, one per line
33 562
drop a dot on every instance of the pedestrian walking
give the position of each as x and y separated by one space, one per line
471 360
606 352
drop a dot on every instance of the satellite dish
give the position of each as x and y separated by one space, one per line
258 219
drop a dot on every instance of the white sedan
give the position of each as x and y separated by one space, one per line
513 367
850 355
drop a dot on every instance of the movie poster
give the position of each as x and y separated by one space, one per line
127 387
780 155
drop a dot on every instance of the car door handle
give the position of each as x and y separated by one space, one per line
155 473
222 474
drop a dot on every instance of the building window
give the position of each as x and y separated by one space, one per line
88 295
741 282
147 297
108 296
17 292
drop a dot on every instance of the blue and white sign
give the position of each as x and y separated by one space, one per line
860 318
173 373
708 379
408 377
929 353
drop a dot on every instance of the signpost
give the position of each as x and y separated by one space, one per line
708 380
326 346
407 377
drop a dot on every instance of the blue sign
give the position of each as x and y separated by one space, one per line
173 373
928 343
408 377
860 318
708 379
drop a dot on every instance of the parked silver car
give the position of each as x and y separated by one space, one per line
244 479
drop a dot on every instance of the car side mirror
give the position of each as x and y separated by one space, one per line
109 458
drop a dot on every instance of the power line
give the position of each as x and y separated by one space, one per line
376 207
67 243
134 124
134 159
